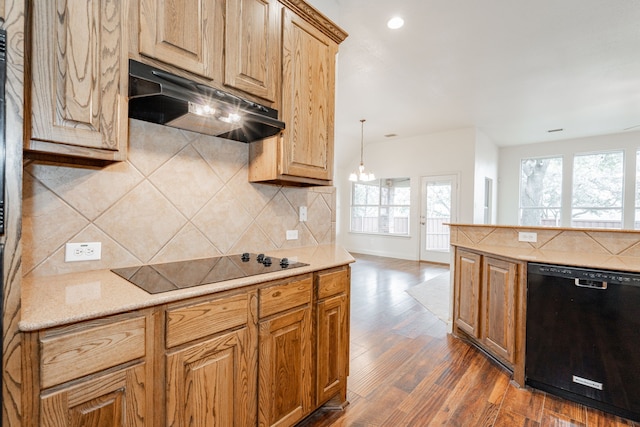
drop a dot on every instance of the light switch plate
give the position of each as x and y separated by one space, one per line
524 236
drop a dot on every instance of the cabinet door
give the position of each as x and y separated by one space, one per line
116 399
187 34
499 289
208 384
252 47
332 348
79 79
285 371
467 292
308 84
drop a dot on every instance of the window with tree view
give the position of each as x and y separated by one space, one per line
381 206
540 191
598 184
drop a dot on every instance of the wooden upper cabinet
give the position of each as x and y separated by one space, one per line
303 153
252 47
235 43
188 34
79 79
308 76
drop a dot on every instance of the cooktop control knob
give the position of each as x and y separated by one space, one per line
284 262
245 257
260 258
266 261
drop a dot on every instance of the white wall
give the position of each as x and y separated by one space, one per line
329 8
510 157
486 166
451 152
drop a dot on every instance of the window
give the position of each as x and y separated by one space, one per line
381 206
540 191
598 183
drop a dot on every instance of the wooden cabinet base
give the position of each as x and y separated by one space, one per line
488 306
268 354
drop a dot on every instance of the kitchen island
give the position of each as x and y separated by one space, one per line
490 280
258 350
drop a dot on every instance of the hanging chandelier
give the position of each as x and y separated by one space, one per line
361 174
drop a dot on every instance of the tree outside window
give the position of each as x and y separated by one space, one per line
598 185
540 191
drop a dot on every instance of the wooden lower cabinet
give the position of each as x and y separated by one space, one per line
304 346
467 292
90 374
489 297
266 355
499 286
333 349
116 399
332 336
285 372
207 383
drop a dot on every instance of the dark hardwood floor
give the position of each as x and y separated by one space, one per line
407 371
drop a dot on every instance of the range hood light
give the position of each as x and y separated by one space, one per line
201 110
231 118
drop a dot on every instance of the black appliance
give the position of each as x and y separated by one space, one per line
583 332
157 96
158 278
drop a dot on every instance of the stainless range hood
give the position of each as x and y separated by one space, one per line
157 96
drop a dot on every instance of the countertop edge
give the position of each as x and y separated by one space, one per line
53 301
573 259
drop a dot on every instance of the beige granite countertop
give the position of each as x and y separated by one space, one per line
574 259
63 299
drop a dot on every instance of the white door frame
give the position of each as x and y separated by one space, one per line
443 257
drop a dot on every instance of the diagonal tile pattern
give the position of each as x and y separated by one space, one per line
617 243
179 195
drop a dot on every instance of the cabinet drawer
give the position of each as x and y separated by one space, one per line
278 298
85 351
199 320
332 283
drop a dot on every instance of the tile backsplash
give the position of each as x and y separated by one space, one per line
179 195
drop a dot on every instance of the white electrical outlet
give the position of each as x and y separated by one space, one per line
292 234
82 251
527 237
303 213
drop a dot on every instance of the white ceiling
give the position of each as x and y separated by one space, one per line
511 68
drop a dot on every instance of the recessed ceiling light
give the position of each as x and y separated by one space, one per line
395 23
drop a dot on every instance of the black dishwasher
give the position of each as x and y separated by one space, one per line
583 336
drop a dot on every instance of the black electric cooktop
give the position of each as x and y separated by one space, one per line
158 278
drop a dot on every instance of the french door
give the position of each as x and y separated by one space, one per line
439 206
